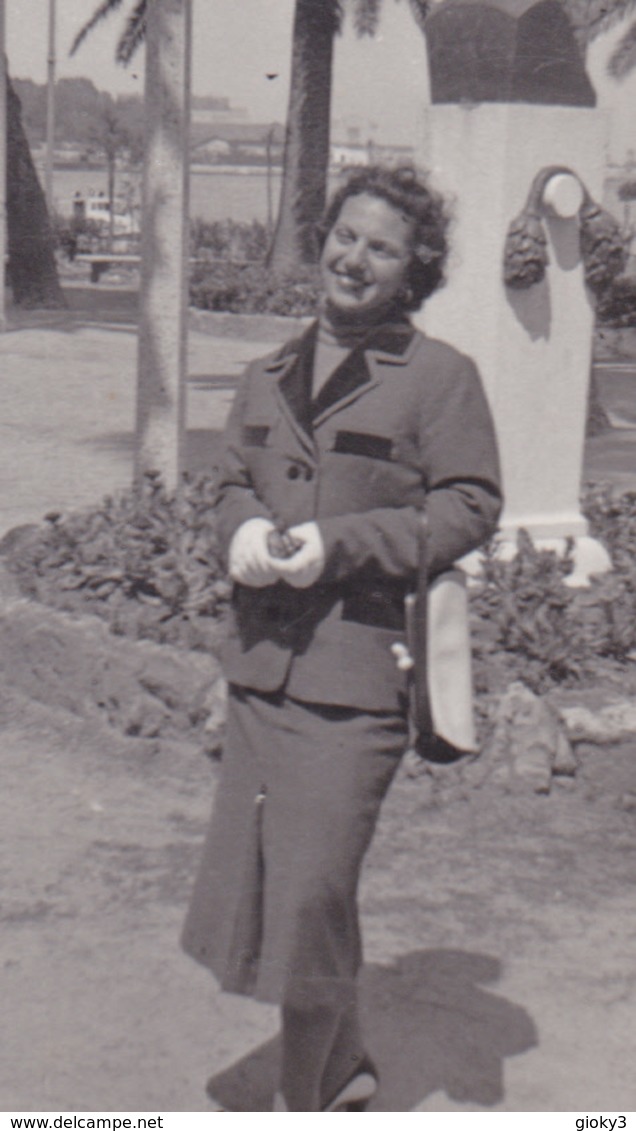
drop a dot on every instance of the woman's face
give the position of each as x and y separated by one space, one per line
366 256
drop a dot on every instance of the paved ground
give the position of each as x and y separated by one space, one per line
68 396
499 930
499 938
68 405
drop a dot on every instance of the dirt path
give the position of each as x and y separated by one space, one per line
499 932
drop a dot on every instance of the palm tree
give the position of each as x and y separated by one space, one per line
134 29
316 23
306 161
591 18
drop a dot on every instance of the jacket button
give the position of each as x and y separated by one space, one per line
309 474
293 472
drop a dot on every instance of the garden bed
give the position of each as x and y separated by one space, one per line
137 600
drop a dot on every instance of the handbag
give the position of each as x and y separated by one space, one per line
441 686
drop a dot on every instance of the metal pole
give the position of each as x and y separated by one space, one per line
3 164
162 341
50 110
270 209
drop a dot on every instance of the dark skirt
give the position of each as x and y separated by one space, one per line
274 910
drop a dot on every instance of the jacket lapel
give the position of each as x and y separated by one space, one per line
363 369
347 382
292 388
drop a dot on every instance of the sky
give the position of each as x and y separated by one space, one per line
380 84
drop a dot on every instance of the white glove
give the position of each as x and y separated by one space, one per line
306 564
248 560
403 658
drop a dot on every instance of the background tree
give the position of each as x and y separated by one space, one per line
113 139
134 28
316 23
306 157
592 18
306 160
31 270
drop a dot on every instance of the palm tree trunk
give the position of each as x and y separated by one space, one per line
306 163
32 272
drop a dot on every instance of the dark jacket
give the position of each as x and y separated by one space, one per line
401 425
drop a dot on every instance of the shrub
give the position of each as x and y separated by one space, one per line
76 234
229 239
523 607
530 625
612 519
147 561
254 289
617 304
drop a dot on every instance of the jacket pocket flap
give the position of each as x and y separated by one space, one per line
364 444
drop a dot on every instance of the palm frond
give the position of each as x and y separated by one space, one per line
623 58
591 18
366 16
134 33
420 10
103 10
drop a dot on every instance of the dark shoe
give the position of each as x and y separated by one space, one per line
358 1091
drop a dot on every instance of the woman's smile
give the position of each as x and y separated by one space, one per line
366 257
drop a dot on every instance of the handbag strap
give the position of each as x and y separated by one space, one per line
419 637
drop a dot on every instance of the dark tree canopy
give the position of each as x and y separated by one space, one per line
32 272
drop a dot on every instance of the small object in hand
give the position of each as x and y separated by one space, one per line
280 544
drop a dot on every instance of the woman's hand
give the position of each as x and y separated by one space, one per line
305 565
403 658
249 560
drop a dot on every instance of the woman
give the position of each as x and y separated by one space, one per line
334 446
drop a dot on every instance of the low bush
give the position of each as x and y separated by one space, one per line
146 561
73 235
254 289
523 610
531 625
229 239
617 304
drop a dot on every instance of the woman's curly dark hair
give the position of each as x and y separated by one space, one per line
407 191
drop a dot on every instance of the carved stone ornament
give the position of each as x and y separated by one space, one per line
505 51
602 245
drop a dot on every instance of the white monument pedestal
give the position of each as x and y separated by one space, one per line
533 347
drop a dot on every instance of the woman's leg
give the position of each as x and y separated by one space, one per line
322 1051
308 1040
346 1057
319 815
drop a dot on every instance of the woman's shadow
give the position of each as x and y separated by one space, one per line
430 1028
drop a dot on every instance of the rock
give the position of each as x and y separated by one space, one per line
141 688
565 760
613 722
9 588
143 717
215 707
527 745
532 765
627 801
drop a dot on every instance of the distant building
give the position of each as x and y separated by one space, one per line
345 153
236 142
355 143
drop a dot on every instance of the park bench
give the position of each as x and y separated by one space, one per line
102 260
